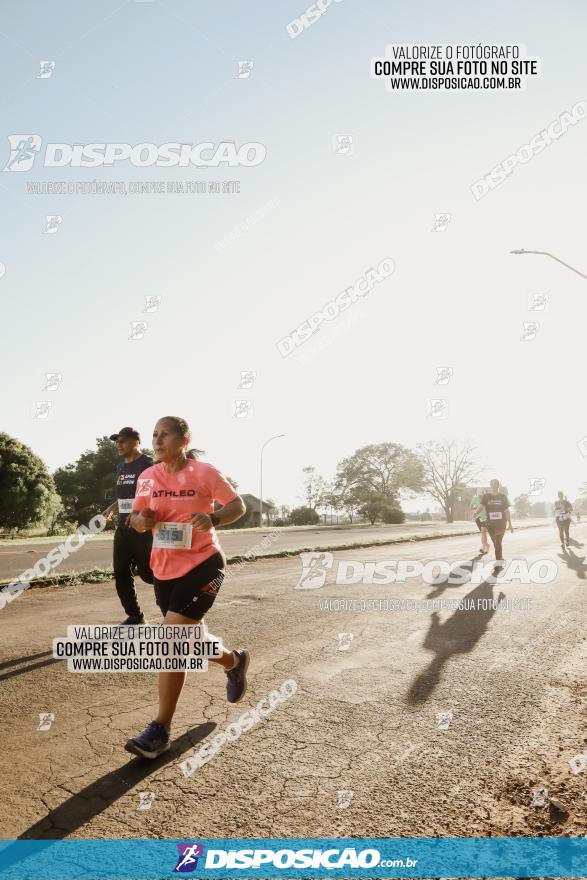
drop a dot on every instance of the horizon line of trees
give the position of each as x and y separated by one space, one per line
368 484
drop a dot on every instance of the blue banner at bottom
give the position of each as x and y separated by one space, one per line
368 857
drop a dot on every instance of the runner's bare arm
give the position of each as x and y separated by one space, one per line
107 514
509 519
227 514
143 521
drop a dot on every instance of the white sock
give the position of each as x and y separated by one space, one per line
235 664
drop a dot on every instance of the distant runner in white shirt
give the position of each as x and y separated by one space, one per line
481 522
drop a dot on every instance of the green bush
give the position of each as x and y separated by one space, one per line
304 516
393 515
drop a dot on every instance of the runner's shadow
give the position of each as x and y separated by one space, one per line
575 543
445 584
18 660
574 563
457 635
99 795
28 668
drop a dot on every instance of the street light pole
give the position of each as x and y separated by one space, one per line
552 256
275 437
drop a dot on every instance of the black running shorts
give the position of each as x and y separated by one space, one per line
192 594
481 524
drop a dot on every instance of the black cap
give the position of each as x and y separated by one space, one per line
126 432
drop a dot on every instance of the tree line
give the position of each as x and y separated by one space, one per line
368 484
371 482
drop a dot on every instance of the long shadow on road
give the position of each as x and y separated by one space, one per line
457 635
99 795
574 563
29 668
32 666
14 662
455 572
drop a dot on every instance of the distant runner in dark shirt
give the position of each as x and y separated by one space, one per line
497 508
131 549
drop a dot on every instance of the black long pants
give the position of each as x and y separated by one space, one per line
496 536
563 529
131 549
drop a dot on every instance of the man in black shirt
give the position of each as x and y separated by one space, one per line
497 507
131 549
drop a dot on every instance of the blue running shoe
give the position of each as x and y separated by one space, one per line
152 742
236 686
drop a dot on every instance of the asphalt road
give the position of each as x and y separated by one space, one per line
97 553
363 721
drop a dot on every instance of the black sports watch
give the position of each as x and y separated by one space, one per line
215 519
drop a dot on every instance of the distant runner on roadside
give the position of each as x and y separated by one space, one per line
188 562
497 508
481 522
131 550
563 509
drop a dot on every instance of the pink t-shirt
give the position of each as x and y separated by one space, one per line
176 497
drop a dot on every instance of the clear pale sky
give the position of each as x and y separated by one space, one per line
160 72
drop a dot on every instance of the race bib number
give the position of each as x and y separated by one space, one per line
495 514
125 505
173 536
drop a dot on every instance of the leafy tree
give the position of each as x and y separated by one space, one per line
282 516
315 487
373 506
304 516
27 490
88 486
55 515
448 469
331 501
370 480
376 506
344 498
522 507
384 468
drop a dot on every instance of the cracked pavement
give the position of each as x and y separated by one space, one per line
363 720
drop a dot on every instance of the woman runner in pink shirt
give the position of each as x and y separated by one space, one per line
181 490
